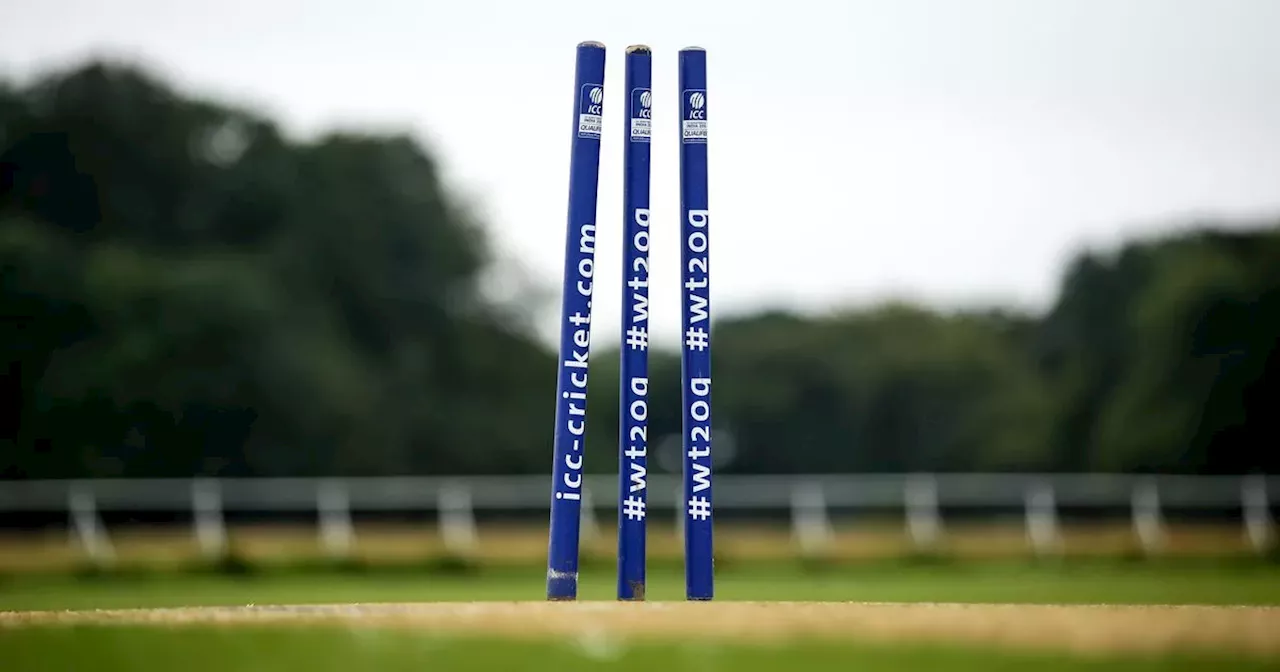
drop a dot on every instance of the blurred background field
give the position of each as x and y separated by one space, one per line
988 563
1015 583
394 545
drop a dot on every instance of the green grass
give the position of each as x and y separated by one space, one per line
319 649
1078 583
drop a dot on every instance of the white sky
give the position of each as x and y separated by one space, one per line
950 152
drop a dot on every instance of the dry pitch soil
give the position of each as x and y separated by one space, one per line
1080 629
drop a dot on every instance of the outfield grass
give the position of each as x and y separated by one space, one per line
319 649
1071 583
169 547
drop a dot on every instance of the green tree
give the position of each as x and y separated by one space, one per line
1163 354
186 291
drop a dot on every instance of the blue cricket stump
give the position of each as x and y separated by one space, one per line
696 325
575 324
634 405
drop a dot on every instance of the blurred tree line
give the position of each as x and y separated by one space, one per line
187 291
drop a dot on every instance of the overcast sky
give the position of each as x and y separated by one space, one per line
953 152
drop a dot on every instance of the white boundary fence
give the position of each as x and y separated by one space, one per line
810 500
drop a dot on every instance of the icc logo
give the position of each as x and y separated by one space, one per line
646 102
596 96
697 105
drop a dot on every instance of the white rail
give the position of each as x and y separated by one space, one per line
810 500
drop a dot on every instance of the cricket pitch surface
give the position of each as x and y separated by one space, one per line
1080 629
